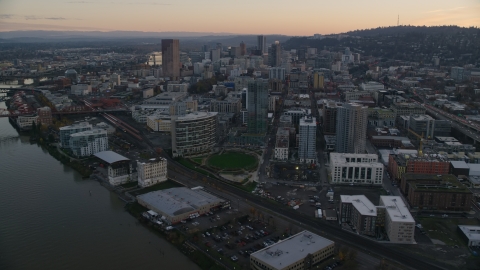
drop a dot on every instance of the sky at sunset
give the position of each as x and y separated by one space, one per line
300 17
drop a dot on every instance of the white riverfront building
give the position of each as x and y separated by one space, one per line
356 169
151 172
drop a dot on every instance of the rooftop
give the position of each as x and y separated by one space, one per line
471 232
396 209
110 157
459 165
361 203
176 201
292 249
445 183
196 116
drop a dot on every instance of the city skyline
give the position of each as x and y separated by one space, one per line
194 16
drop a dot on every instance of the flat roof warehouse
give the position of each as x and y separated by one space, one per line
176 202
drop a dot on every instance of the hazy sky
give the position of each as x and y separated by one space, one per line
290 17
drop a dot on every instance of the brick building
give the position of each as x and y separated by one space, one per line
411 163
436 192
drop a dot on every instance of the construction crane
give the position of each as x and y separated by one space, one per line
420 137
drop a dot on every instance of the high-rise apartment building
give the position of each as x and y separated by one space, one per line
262 43
351 129
171 58
257 105
243 48
318 80
275 55
307 138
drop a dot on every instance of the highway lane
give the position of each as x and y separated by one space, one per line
323 228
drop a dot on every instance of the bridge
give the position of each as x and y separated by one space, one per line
68 112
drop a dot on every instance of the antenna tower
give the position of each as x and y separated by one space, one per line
398 20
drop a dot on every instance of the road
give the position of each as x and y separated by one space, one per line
321 227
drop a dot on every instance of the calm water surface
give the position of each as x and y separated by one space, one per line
49 219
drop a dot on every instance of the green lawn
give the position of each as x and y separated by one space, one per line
445 229
232 160
192 166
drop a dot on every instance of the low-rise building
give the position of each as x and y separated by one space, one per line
45 115
159 122
177 204
300 251
402 163
436 192
24 122
407 109
357 169
88 142
81 89
471 234
151 172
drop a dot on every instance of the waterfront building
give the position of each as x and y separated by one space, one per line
300 251
171 58
357 169
194 133
177 204
151 172
24 122
89 142
351 128
120 170
307 140
66 131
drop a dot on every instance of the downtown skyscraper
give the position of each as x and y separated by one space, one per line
275 55
351 129
307 139
171 58
257 99
262 43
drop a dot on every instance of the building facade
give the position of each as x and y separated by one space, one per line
357 169
151 172
257 106
399 223
89 142
351 128
45 116
307 140
171 58
194 134
66 131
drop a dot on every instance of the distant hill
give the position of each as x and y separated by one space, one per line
404 29
36 36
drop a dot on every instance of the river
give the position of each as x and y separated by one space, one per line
52 219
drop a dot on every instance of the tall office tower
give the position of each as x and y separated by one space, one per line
318 80
171 58
257 99
307 138
262 43
215 54
243 48
351 130
275 55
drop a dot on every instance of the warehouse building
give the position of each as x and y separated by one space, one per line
300 251
177 204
